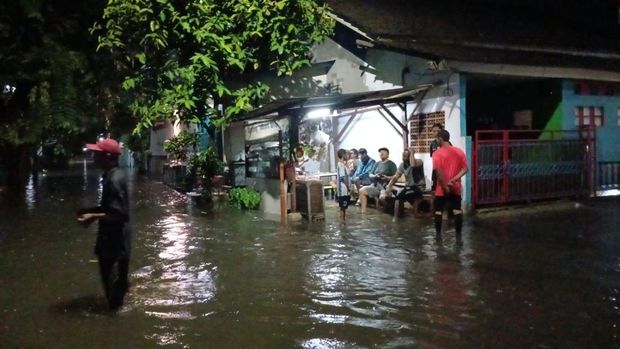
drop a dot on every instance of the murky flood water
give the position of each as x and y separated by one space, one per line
233 279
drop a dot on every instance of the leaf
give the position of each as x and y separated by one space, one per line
129 83
141 57
222 90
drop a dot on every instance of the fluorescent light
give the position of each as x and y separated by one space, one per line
319 113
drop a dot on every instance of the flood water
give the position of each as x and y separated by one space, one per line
532 278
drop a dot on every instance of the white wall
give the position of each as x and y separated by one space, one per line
158 136
234 142
346 70
436 101
270 193
371 131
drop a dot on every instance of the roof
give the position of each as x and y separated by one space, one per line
533 32
289 106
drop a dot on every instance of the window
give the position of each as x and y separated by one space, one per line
589 116
420 133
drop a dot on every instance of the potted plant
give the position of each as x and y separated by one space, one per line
177 149
204 166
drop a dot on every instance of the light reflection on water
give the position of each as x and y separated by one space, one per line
84 175
171 281
31 193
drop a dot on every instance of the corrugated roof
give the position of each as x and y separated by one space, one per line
567 33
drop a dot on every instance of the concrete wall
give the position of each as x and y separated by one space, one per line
438 100
350 72
608 147
158 136
270 193
234 142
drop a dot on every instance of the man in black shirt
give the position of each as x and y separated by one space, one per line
114 235
434 144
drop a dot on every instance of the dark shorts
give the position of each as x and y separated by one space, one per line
343 201
447 203
409 194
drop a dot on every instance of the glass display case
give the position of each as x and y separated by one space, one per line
265 147
262 159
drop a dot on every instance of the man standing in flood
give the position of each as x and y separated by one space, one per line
450 164
113 244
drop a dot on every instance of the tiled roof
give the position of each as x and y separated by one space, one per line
543 32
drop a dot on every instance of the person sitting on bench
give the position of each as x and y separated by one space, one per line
413 169
379 176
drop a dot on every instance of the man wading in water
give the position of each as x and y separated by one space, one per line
114 235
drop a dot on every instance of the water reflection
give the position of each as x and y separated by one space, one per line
30 193
84 175
171 281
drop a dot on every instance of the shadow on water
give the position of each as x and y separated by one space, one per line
83 306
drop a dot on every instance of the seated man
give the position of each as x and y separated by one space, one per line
381 174
361 177
413 169
364 168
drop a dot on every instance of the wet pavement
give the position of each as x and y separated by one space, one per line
546 276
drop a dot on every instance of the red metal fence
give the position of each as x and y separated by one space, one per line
516 165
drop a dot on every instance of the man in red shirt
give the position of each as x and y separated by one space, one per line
450 165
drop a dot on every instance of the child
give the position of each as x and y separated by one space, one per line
343 183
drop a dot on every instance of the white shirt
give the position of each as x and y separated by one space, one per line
343 180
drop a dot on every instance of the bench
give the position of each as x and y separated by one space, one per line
424 206
421 208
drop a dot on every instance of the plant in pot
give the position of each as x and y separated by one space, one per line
204 166
177 150
177 147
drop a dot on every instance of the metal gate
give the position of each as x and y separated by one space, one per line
518 165
608 175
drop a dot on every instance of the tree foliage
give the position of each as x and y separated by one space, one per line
182 58
54 87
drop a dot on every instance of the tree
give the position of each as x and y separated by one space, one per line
183 58
54 88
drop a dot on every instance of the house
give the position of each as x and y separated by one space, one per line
530 91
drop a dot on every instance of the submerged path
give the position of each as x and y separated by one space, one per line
233 279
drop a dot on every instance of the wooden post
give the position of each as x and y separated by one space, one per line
282 194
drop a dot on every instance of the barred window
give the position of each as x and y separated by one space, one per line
589 116
420 133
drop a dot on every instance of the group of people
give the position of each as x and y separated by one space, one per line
359 177
362 179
